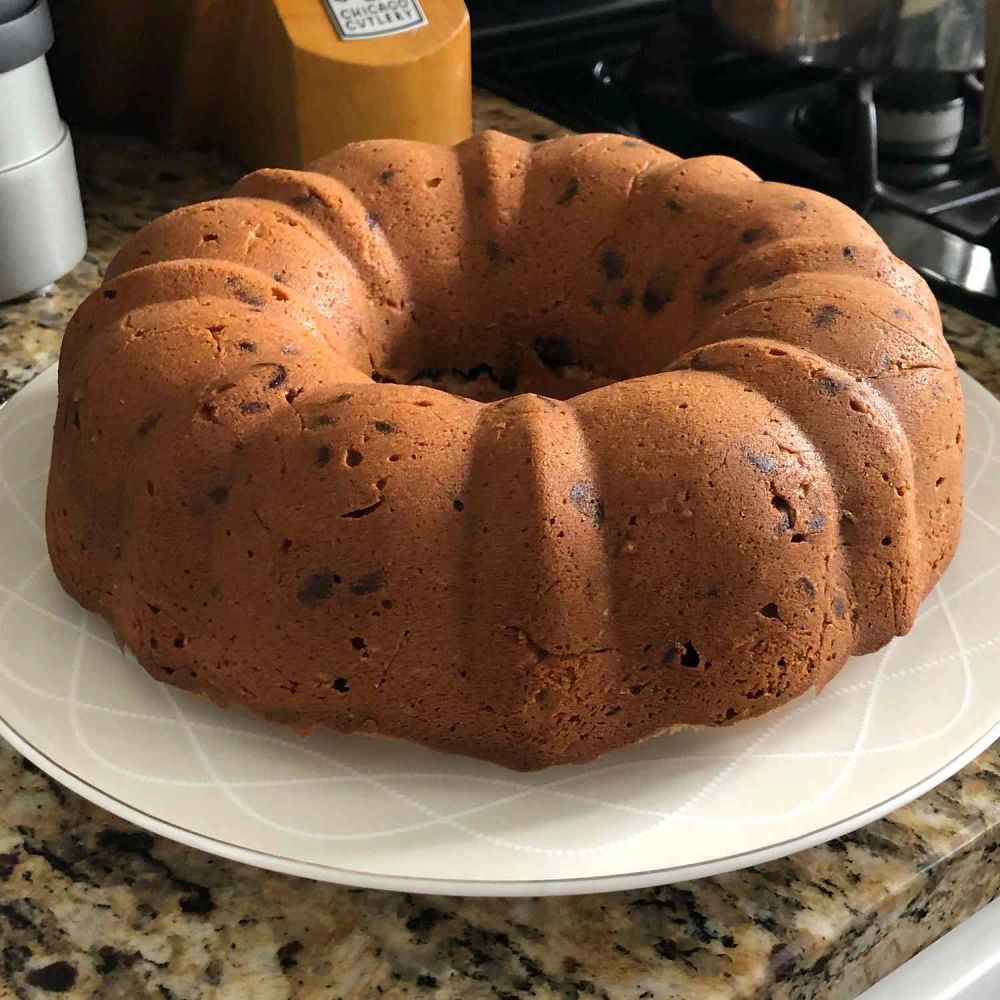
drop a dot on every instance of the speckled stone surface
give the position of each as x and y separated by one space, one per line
92 907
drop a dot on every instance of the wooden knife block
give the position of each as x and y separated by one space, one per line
269 80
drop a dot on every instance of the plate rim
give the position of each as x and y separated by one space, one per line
357 878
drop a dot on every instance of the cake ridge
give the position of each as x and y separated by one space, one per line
301 190
870 406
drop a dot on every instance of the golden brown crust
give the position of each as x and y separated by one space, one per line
734 458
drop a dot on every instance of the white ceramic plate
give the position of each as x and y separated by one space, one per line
387 815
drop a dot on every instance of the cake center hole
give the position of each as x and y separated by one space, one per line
547 366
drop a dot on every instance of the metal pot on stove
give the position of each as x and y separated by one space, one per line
864 35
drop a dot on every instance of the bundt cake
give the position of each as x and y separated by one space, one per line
526 452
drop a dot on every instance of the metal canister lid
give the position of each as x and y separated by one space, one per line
25 36
9 9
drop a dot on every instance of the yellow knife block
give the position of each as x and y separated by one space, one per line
272 81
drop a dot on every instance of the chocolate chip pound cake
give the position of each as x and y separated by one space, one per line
526 452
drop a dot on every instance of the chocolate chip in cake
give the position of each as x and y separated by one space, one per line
385 427
148 424
343 397
828 386
219 495
372 221
369 583
753 234
318 587
817 522
849 253
839 606
806 586
458 505
612 263
247 346
582 497
553 352
825 315
626 298
901 314
323 420
715 272
762 463
798 206
341 685
353 457
279 378
674 204
596 304
571 190
253 406
659 291
244 292
323 455
386 176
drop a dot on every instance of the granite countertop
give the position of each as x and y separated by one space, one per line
91 906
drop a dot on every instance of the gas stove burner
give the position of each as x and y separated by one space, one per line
915 145
919 119
916 137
